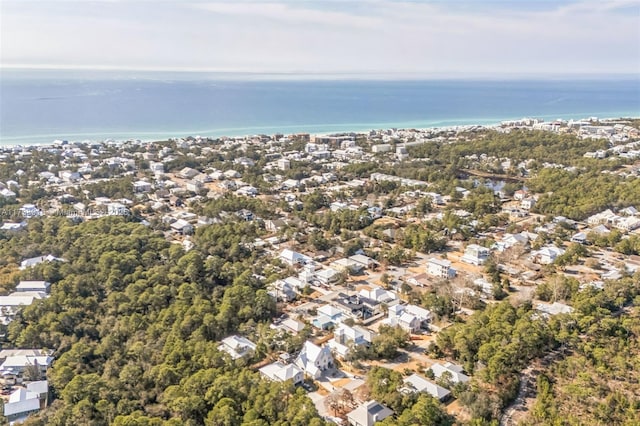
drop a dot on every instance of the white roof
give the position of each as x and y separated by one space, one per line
236 346
8 226
361 258
440 262
280 372
13 299
455 371
422 313
21 401
311 351
288 372
329 310
180 224
421 384
476 247
21 361
350 332
40 285
291 255
554 308
369 413
236 342
293 324
27 352
309 355
326 273
40 387
294 282
407 318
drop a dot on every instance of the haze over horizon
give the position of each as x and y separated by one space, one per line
332 38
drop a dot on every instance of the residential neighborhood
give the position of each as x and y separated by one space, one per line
365 268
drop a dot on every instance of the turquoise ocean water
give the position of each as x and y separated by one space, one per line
40 110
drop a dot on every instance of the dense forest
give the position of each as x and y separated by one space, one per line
134 322
597 357
579 195
518 145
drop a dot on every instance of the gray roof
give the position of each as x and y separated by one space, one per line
420 384
369 413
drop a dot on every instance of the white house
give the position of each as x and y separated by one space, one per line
579 237
440 268
274 225
292 258
284 164
291 184
378 294
520 195
347 265
279 372
141 186
554 308
368 414
314 360
547 254
232 174
194 185
156 167
405 320
454 371
328 315
475 254
363 260
237 346
292 326
183 227
604 217
11 304
248 191
417 383
282 291
69 176
344 337
17 364
20 405
629 211
376 149
627 224
409 317
327 276
38 286
188 173
484 285
420 280
33 261
7 193
527 203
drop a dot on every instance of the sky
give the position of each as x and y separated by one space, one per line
390 37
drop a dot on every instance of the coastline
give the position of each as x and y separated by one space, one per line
318 129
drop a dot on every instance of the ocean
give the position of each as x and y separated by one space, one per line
41 110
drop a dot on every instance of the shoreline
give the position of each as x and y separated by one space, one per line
316 129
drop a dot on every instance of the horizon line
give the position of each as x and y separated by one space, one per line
448 75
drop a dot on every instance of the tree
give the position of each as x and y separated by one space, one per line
426 411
